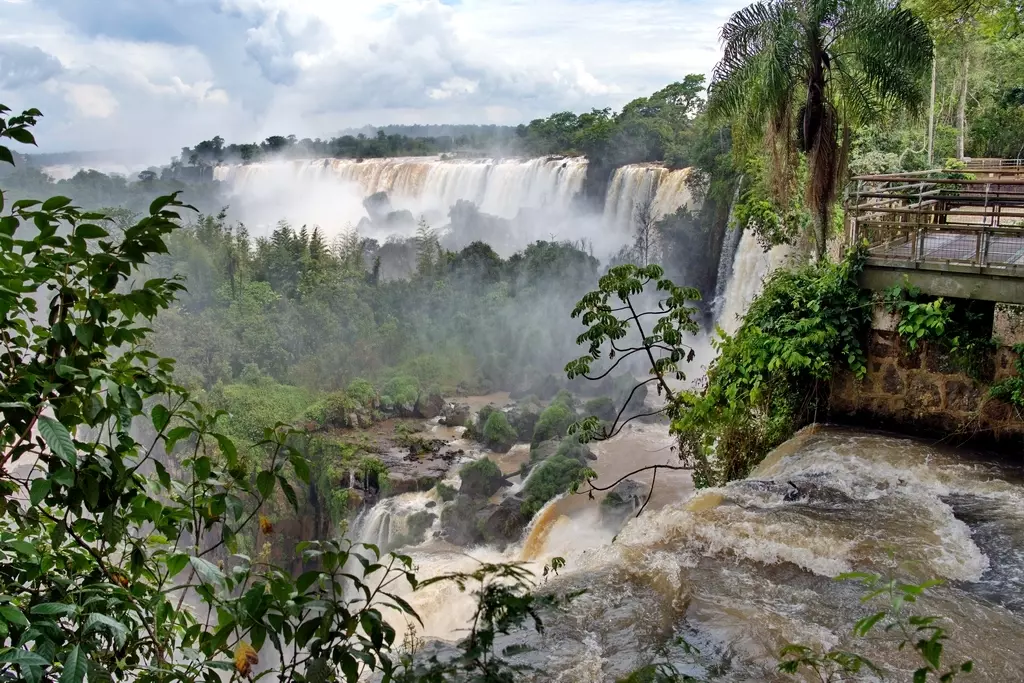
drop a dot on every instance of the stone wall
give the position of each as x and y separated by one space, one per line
922 390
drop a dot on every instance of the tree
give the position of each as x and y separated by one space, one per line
800 74
615 315
105 553
644 220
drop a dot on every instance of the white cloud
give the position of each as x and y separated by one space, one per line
165 73
91 101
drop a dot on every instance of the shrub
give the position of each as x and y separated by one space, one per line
552 477
445 492
400 391
363 393
480 478
553 422
253 408
498 433
766 382
338 406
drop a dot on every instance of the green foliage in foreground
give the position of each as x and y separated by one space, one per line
106 567
924 635
770 378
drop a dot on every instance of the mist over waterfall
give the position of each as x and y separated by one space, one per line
541 197
330 192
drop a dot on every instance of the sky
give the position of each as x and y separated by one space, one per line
152 76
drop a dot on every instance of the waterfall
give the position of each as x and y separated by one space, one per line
635 184
329 192
751 265
397 521
733 233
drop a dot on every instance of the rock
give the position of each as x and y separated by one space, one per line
459 522
545 449
455 414
892 383
964 396
505 523
622 501
523 419
923 393
429 405
431 504
481 479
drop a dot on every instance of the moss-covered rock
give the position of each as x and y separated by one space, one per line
480 479
498 434
551 478
554 421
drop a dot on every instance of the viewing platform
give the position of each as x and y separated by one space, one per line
956 233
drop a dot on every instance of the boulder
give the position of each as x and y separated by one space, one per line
459 522
455 414
481 479
625 499
429 406
505 523
545 449
523 419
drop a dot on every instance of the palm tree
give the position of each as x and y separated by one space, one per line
797 72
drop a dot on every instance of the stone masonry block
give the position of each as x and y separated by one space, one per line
883 320
1008 324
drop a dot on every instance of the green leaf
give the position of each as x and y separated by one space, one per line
38 491
301 467
65 476
54 203
176 435
58 439
265 483
13 615
22 657
289 492
75 666
227 447
101 622
175 563
162 474
53 609
208 572
90 231
161 416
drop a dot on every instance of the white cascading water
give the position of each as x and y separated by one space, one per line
740 571
751 265
635 184
422 185
727 258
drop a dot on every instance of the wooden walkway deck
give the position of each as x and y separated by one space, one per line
954 233
972 219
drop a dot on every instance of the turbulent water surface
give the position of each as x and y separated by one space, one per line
740 571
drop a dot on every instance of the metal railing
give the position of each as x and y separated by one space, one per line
969 220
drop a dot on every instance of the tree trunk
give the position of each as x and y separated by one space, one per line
931 119
962 110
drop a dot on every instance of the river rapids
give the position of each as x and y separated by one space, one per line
715 582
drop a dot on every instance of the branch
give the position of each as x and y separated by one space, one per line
622 356
618 481
624 406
